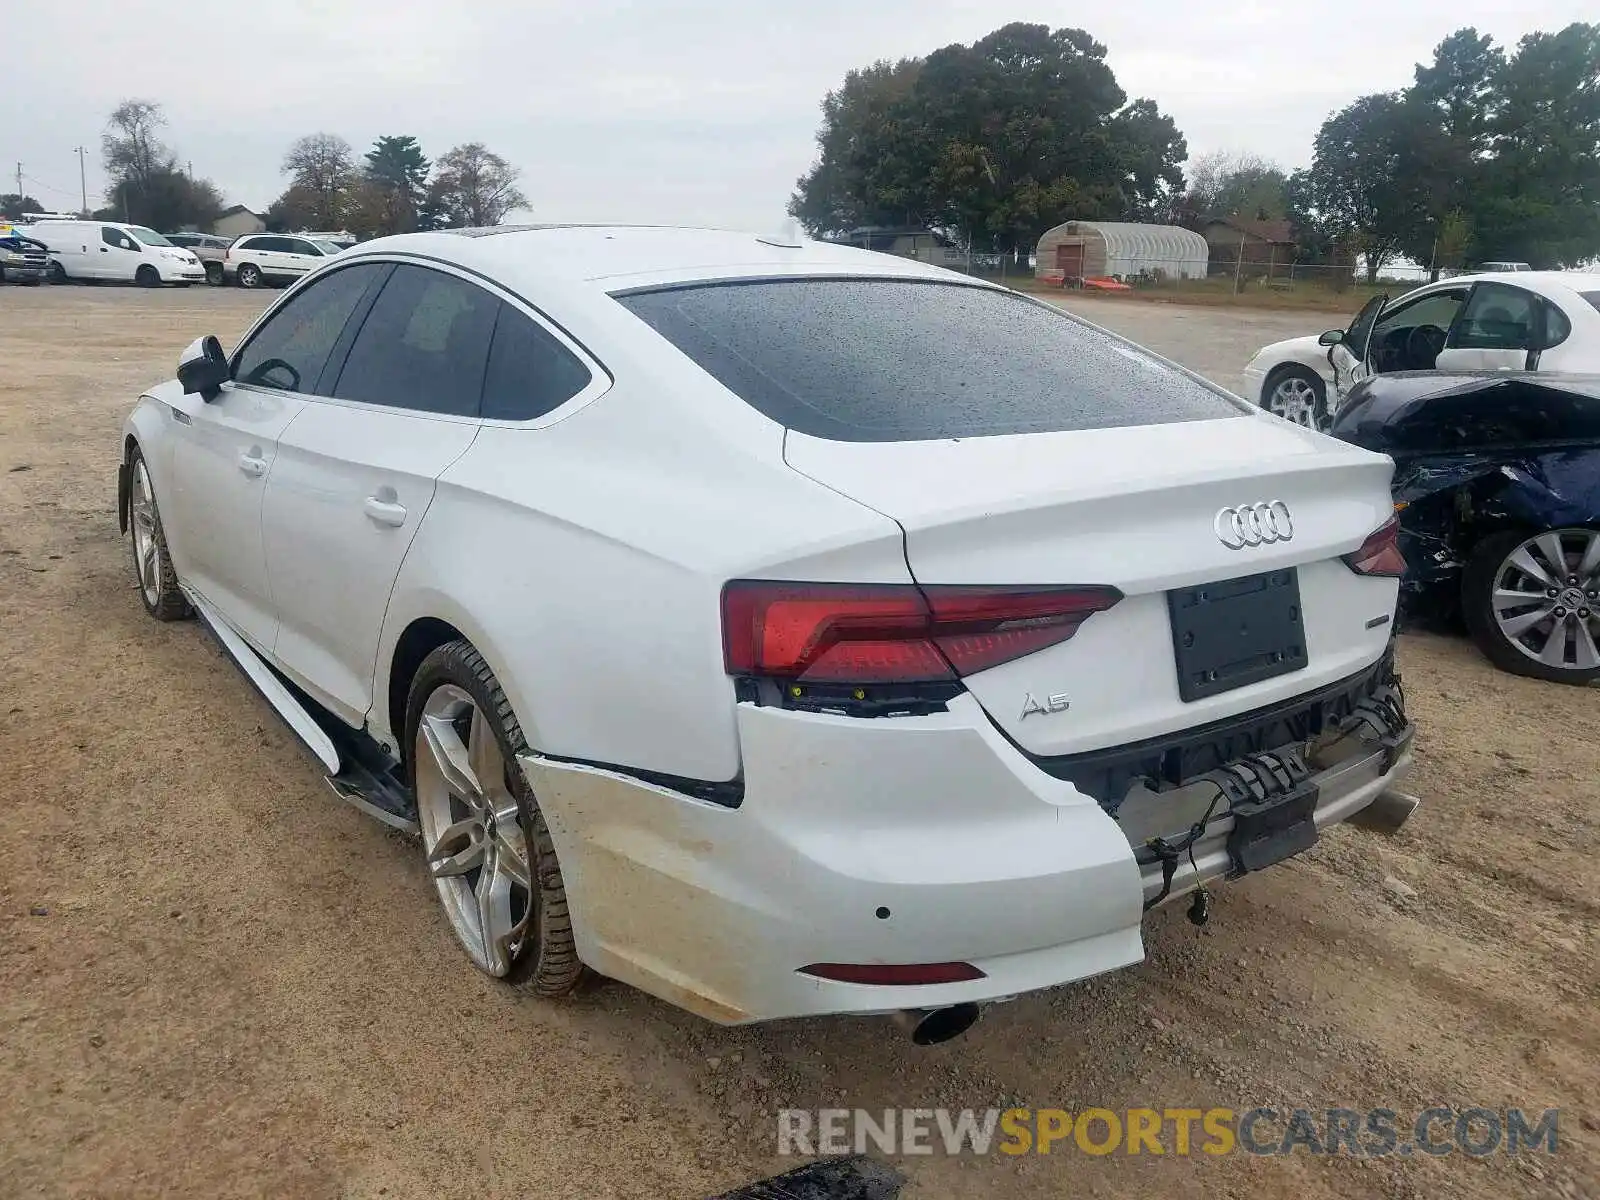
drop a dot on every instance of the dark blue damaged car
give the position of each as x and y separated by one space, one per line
1497 490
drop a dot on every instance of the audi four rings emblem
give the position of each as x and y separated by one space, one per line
1254 525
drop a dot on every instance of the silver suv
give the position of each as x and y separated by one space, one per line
208 248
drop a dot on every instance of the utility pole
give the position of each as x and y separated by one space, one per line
83 183
19 181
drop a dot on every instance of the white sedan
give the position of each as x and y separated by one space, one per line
778 627
1523 320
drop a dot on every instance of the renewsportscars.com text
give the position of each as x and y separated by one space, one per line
1372 1133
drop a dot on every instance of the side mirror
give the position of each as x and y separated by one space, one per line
1332 338
203 368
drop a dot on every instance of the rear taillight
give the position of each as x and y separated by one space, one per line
881 633
1380 553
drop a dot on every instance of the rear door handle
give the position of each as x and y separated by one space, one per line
384 511
252 463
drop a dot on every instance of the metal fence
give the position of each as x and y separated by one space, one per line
1226 274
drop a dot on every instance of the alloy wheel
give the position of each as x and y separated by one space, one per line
1294 399
1546 598
146 550
472 831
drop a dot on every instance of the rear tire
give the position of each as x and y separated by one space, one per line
485 842
58 273
147 276
249 275
1297 394
214 274
1545 636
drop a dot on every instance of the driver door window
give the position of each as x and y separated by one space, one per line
1410 336
290 350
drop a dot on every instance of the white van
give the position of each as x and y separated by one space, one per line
108 250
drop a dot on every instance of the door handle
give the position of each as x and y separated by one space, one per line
385 512
252 463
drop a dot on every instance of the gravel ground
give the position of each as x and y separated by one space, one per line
216 980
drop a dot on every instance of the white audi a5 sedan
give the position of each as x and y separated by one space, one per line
778 627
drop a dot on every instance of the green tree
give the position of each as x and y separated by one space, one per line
1540 197
12 206
996 142
1230 184
1353 194
393 187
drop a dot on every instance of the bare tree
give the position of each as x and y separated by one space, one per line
475 186
322 167
1230 183
131 148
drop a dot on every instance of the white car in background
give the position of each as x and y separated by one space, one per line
1522 320
114 252
778 627
267 258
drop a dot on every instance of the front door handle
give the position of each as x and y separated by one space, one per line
252 463
383 510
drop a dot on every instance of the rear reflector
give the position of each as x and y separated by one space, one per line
880 633
894 975
1380 553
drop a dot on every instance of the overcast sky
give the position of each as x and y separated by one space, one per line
677 111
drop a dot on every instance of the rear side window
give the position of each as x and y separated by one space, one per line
530 372
866 360
1498 317
289 351
424 345
1593 298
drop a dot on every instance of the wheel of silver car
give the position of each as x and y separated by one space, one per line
214 274
152 565
1297 395
484 841
1532 602
249 275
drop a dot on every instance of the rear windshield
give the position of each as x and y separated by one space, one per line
1593 298
868 360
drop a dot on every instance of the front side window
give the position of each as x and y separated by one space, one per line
424 345
1497 317
290 349
301 246
115 237
867 360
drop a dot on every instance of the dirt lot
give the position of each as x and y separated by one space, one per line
217 980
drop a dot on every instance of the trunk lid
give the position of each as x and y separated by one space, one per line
1135 507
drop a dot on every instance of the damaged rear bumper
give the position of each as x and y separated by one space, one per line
926 839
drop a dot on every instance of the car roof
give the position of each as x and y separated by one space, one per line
617 257
1578 281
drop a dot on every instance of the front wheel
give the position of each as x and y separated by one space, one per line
485 842
58 273
1532 603
249 275
152 565
1297 394
147 276
214 274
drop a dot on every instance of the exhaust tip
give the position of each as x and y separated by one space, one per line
931 1026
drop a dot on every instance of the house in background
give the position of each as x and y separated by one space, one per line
1266 245
908 241
238 221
